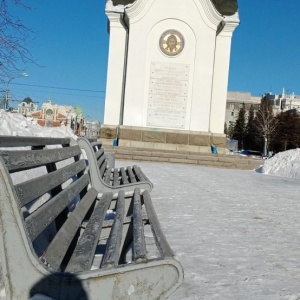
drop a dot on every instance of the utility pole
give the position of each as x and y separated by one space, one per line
7 97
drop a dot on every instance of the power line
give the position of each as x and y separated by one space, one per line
59 93
59 88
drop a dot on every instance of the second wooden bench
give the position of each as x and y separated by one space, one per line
106 177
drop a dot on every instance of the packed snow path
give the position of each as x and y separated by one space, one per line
236 233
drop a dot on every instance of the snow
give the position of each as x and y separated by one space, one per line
286 164
110 7
236 233
17 124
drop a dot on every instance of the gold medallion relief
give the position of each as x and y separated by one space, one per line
171 42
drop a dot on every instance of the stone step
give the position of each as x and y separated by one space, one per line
184 157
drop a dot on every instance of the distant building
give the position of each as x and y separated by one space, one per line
281 102
235 101
284 101
27 107
92 129
53 115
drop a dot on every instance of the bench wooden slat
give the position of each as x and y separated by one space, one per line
98 145
25 159
34 188
123 176
83 255
99 153
112 251
107 175
24 141
116 177
131 175
101 161
43 216
160 239
107 224
103 168
138 173
58 247
139 245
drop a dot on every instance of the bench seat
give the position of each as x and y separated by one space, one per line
104 175
60 237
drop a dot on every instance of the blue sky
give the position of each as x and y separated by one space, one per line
70 44
265 53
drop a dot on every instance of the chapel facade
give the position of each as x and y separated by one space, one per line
167 72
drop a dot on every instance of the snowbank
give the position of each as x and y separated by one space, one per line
17 124
285 164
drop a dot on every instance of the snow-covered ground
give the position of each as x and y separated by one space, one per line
236 233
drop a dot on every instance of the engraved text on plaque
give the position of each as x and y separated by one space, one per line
168 94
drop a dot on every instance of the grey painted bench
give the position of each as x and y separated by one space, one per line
61 238
106 177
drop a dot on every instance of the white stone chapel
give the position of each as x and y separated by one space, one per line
168 72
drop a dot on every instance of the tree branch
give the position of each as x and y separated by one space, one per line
14 38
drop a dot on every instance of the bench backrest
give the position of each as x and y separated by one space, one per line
47 185
100 156
105 177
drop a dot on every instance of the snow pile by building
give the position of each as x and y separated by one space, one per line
284 164
115 8
17 125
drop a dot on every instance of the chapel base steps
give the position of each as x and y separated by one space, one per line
185 157
172 146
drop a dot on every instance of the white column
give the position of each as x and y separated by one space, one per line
220 74
115 68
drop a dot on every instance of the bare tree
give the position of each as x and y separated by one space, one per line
265 121
14 38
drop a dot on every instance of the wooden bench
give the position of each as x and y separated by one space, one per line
60 237
106 177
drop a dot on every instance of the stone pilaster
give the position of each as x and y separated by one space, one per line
220 73
115 68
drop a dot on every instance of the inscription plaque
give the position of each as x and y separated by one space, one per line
168 95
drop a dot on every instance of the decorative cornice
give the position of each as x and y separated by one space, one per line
207 10
114 17
211 16
138 8
115 20
228 25
224 7
224 25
